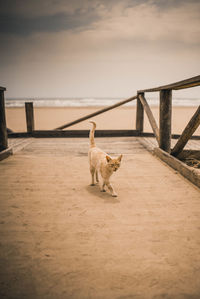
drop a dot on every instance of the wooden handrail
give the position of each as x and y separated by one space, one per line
191 82
162 133
3 130
96 113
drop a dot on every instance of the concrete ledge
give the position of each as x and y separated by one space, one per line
189 173
6 153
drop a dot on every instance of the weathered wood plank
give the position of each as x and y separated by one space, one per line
84 133
74 133
165 120
19 135
81 133
5 153
189 173
191 82
187 133
96 113
189 154
2 88
150 116
3 129
29 116
139 116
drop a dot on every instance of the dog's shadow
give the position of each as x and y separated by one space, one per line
106 196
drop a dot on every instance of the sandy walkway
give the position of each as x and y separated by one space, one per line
61 238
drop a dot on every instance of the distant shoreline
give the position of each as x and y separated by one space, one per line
94 102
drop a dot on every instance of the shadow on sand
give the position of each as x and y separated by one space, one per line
106 196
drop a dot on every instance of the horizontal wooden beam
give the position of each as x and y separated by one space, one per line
2 88
191 82
188 172
95 113
85 134
74 133
150 116
187 133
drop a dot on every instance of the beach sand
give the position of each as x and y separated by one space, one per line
48 118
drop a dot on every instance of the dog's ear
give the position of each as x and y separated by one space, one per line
108 158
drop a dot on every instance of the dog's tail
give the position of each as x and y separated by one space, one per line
92 142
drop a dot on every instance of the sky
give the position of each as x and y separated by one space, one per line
97 48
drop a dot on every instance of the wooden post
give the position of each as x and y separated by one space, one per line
139 116
29 116
150 116
187 133
3 129
165 119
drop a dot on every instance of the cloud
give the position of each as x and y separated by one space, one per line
117 31
45 16
23 25
34 8
101 47
148 22
168 4
132 20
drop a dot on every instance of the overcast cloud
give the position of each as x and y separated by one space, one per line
96 48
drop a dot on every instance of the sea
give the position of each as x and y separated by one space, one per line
92 102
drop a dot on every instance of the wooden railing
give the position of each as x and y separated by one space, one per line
96 113
162 132
3 128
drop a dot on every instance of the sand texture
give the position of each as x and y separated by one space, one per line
61 238
119 118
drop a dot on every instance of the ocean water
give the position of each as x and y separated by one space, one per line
91 102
